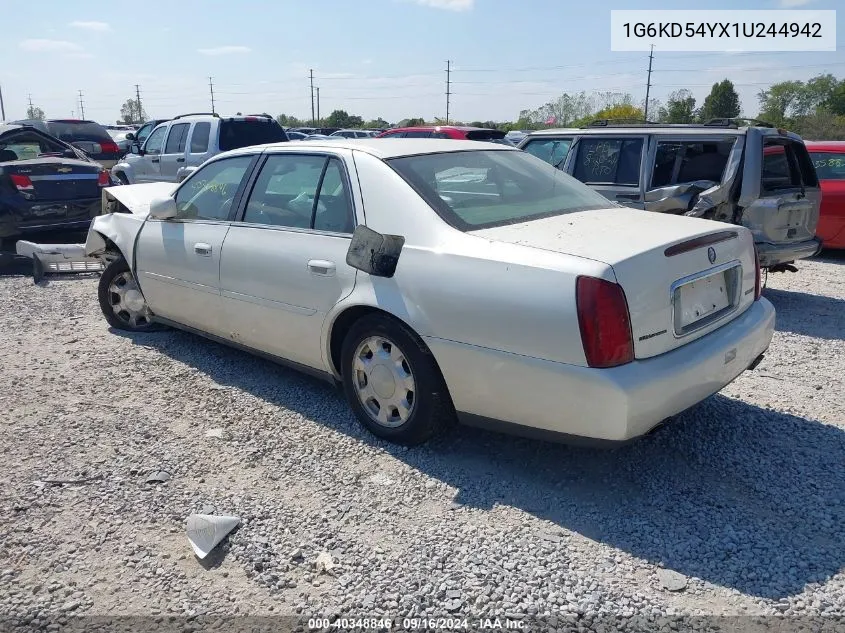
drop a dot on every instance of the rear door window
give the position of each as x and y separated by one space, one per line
418 134
609 161
243 133
687 161
553 151
786 165
829 165
176 139
199 137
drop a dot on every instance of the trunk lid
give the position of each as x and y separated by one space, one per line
675 293
57 179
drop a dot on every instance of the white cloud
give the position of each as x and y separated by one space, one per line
449 5
50 46
224 50
90 26
791 4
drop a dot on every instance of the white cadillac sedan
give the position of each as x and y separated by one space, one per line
441 281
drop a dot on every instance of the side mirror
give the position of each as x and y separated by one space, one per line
163 208
69 153
130 136
374 253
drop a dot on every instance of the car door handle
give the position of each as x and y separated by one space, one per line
180 160
627 196
321 267
154 160
202 249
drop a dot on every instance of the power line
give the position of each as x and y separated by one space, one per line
648 82
448 87
311 73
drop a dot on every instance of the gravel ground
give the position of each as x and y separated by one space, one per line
738 506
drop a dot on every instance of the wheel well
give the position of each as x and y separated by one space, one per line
345 320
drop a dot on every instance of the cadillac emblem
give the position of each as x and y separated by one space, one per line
711 255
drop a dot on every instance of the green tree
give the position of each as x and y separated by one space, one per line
624 111
836 101
679 108
377 123
129 112
35 113
340 118
780 101
288 121
412 122
722 102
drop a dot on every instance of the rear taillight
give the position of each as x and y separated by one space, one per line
22 183
103 179
758 282
108 148
604 321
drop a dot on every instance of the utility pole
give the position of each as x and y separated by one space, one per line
81 105
211 88
648 83
448 87
138 103
2 107
29 112
318 104
311 73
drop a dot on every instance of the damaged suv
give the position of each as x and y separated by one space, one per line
717 170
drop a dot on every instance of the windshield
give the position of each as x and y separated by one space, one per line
243 133
474 190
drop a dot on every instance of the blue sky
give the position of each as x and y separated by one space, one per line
375 58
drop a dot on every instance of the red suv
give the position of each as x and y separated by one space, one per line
829 161
448 131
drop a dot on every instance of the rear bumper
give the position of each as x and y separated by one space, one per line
774 254
24 218
532 396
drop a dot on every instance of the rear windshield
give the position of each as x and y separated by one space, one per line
829 166
474 190
242 133
487 135
84 131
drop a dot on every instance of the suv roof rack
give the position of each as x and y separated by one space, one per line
735 122
607 122
180 116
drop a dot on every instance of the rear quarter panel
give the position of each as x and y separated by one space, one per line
463 288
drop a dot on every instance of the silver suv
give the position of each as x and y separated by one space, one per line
177 147
756 176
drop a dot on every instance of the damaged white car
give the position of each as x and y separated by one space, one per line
441 281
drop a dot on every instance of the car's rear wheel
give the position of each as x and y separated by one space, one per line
393 383
121 300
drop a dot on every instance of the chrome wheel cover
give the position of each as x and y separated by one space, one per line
383 381
128 303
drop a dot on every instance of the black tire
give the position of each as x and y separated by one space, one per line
432 411
121 320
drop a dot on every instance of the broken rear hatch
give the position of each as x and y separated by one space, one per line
682 277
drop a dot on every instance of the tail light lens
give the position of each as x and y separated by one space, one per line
22 183
758 282
107 148
103 179
604 321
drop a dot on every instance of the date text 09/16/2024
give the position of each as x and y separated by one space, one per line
415 624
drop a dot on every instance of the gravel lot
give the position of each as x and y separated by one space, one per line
739 505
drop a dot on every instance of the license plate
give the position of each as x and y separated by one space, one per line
702 300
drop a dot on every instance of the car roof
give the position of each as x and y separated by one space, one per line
462 128
834 145
8 127
396 148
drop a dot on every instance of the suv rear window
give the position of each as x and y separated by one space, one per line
78 131
243 133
